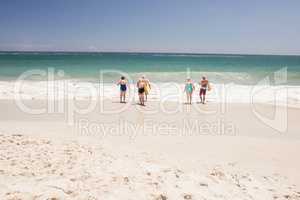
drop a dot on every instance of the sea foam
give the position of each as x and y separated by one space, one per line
162 91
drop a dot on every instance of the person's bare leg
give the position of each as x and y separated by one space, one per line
143 100
140 98
190 98
187 98
203 99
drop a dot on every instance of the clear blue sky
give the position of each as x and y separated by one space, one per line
204 26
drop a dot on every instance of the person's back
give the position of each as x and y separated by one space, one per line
122 82
204 86
189 87
141 84
123 87
141 90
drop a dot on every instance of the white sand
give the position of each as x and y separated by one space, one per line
42 157
33 168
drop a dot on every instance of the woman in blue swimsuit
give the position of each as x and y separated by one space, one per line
189 89
123 88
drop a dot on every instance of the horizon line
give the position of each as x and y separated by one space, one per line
145 52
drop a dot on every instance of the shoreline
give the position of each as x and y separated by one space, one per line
60 90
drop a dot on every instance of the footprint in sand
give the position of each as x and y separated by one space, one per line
161 197
187 196
203 184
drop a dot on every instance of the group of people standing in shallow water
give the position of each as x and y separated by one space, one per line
144 87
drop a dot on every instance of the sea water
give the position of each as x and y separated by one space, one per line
234 78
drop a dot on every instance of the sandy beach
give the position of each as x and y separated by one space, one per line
149 100
148 152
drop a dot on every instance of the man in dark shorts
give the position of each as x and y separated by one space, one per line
203 88
141 91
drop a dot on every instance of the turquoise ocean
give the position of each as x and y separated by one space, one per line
158 67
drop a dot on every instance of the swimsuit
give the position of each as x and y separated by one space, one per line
123 87
203 89
141 90
189 88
